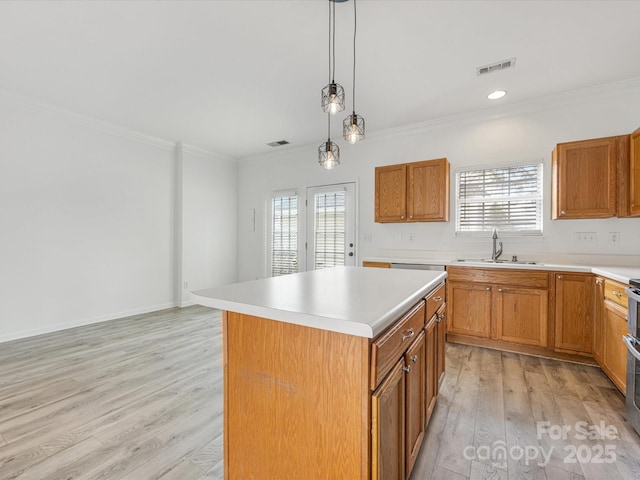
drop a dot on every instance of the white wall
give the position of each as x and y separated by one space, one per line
523 132
209 221
88 220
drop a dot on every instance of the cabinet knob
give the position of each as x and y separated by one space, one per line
437 299
409 333
440 317
598 282
410 216
401 217
499 289
407 368
560 277
563 212
488 288
617 294
414 359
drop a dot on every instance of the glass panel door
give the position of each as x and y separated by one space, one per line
331 226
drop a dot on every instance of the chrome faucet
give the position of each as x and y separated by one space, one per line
496 253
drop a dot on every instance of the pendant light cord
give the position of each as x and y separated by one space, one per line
333 72
355 24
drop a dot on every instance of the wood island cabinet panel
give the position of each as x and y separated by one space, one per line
634 175
470 309
428 195
521 316
416 389
574 313
387 429
614 355
391 193
431 341
288 410
598 319
441 335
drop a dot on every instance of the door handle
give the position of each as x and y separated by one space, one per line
631 345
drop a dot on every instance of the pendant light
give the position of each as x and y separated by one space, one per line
353 125
333 93
332 100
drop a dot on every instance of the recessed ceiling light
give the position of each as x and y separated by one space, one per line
497 94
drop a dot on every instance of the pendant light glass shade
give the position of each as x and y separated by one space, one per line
329 154
353 128
333 98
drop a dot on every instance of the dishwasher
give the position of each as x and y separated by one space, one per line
417 266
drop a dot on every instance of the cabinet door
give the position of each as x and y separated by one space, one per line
428 183
391 193
431 366
634 175
387 426
414 360
521 315
441 336
584 179
469 309
574 313
614 355
598 319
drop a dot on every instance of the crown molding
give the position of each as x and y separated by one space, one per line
203 152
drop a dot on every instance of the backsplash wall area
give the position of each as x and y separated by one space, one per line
523 132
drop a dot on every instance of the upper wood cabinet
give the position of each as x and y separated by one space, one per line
597 178
584 176
634 175
412 192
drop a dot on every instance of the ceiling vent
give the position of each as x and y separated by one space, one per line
495 67
279 143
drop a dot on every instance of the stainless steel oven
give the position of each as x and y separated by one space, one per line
632 339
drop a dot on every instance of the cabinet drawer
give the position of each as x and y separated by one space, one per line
435 300
392 343
614 291
513 278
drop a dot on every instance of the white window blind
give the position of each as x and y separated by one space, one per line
507 198
284 234
330 229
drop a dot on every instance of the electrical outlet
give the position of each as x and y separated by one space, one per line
614 238
367 238
411 237
397 238
585 238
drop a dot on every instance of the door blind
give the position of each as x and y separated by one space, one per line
330 229
284 235
506 198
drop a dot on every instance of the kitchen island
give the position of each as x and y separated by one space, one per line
314 372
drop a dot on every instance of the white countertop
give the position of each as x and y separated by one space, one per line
352 300
620 274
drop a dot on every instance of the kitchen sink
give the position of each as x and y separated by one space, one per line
486 260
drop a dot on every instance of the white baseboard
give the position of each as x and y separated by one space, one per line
7 337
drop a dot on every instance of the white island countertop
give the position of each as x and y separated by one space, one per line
352 300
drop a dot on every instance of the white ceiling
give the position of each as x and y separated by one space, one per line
230 76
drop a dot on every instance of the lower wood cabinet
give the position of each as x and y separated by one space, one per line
432 364
598 319
388 426
522 315
441 335
574 312
469 309
614 355
416 388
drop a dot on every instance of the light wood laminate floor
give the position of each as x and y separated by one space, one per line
141 398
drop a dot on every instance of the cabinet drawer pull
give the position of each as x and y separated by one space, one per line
617 294
407 368
437 299
409 333
414 359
